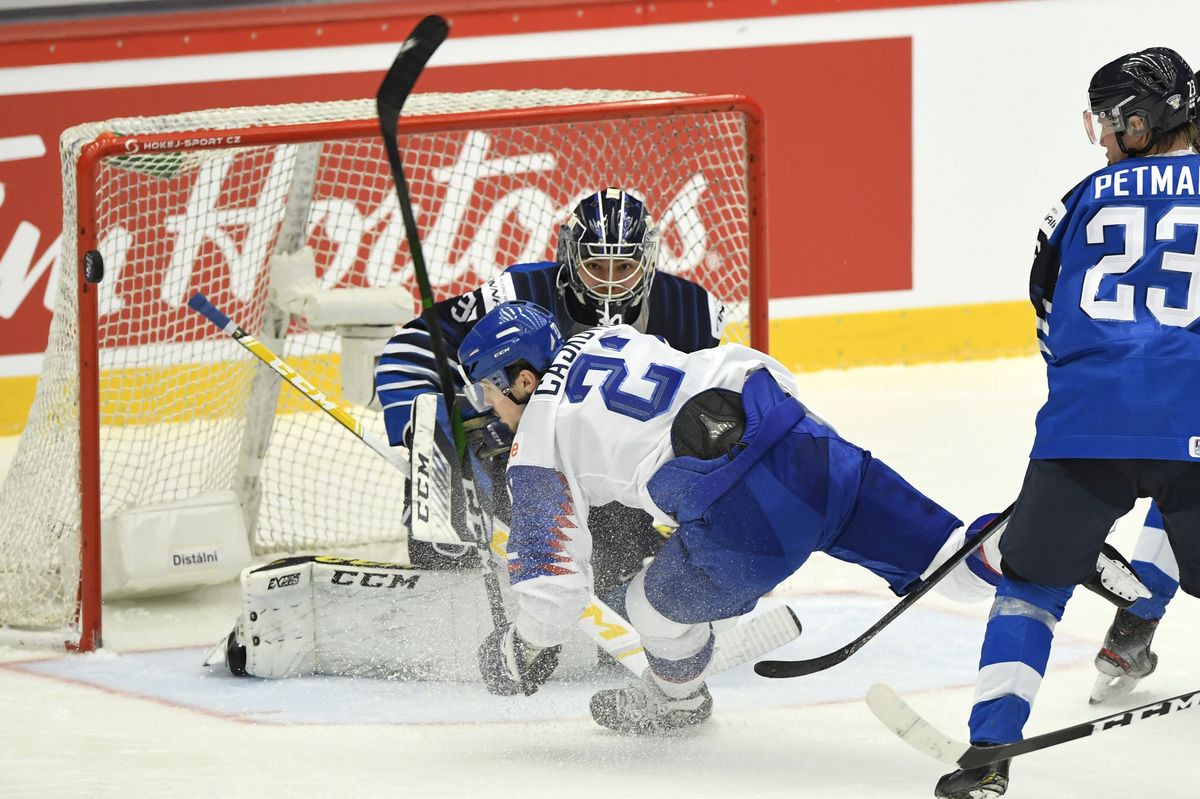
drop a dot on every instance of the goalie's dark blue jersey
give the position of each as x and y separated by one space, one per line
1116 287
681 312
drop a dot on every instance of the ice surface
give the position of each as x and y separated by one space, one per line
143 718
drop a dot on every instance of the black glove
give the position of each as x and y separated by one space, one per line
487 436
504 657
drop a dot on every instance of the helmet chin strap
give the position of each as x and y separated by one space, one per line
513 398
1135 153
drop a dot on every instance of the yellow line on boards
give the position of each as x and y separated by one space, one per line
16 397
910 336
803 344
181 393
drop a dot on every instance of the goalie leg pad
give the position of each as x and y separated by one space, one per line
335 616
275 634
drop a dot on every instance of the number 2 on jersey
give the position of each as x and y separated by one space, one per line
1133 219
665 379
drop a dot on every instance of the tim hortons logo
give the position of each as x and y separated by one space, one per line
225 211
20 265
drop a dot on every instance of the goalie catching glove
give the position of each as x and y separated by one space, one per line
510 665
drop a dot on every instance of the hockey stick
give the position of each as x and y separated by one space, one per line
799 668
734 646
754 638
200 304
742 643
397 84
901 719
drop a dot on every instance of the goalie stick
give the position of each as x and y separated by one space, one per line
918 733
394 90
799 668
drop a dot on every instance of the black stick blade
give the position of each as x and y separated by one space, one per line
416 51
797 668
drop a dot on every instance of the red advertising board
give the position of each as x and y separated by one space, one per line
838 129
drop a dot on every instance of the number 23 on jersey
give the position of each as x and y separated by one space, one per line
1172 228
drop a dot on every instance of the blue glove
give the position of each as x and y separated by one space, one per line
504 657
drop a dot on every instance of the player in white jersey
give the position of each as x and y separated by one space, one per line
714 443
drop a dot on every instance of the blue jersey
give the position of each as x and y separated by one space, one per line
680 312
1116 287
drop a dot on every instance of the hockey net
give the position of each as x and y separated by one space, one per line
142 403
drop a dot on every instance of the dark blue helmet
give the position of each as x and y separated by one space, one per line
1155 85
608 251
509 333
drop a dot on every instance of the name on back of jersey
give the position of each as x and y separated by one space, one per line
553 379
1176 179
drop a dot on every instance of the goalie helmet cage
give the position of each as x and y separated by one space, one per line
141 403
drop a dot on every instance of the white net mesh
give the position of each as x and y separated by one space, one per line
181 409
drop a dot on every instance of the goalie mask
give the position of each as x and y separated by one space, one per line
511 333
608 251
1151 91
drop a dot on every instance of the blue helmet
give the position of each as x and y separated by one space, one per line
608 251
509 333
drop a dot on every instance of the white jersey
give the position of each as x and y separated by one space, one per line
595 431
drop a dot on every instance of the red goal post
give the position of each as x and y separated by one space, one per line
141 405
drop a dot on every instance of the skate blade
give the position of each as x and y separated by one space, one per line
1108 688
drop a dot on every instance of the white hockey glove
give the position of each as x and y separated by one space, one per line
1115 579
504 658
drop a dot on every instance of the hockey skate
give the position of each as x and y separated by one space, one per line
984 782
1125 657
643 709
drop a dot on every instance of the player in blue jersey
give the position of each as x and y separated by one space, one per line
1116 286
714 443
1125 658
605 273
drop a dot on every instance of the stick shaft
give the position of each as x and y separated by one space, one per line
800 668
392 455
